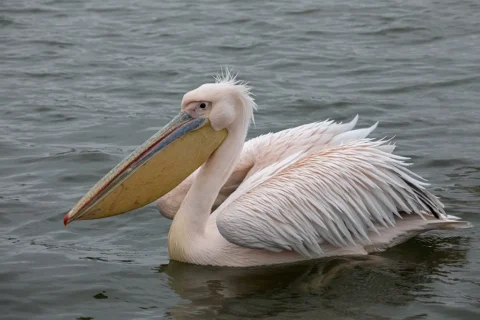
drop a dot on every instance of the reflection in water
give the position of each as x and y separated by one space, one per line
334 287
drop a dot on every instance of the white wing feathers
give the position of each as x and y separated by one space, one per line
336 195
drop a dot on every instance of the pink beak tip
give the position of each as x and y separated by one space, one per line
65 219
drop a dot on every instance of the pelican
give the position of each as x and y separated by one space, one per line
318 190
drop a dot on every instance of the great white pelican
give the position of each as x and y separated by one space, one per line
317 190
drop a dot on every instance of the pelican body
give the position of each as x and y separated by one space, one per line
318 190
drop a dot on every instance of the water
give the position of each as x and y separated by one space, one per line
82 83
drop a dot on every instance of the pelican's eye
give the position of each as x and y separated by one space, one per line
203 105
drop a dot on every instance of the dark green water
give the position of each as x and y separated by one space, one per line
82 83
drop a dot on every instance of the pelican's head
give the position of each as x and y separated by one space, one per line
207 114
224 103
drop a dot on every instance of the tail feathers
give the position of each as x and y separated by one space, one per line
450 224
410 226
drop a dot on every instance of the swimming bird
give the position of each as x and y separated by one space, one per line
318 190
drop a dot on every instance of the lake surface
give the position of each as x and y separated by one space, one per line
83 83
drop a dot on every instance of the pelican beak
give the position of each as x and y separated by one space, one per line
155 168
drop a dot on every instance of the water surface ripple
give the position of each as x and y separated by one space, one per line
82 83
